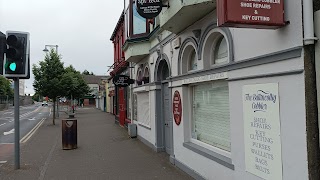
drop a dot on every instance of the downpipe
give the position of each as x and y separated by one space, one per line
308 23
311 106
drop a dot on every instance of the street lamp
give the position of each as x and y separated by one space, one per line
46 50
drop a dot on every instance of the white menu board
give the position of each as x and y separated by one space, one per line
262 130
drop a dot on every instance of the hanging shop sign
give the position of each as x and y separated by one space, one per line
122 81
149 9
262 14
177 107
262 136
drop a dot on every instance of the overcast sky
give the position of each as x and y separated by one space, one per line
81 28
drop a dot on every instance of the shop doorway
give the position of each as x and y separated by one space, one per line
122 106
163 109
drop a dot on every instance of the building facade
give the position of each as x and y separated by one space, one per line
120 95
94 97
223 103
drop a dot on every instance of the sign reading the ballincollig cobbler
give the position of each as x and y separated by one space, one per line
264 14
262 130
177 107
149 9
122 81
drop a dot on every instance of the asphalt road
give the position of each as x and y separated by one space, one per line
30 118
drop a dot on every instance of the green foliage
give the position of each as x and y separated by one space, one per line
37 97
85 72
5 87
74 84
48 76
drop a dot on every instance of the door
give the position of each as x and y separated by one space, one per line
122 106
167 119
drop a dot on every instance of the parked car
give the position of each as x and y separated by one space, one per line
44 103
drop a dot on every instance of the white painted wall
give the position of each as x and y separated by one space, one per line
292 119
248 43
101 106
207 168
95 88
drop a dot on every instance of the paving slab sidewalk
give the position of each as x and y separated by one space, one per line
104 152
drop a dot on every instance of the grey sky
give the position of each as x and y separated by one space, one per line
81 29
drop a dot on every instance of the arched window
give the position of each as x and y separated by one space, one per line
216 48
220 51
188 57
139 77
193 65
146 77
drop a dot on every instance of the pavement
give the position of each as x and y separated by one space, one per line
105 151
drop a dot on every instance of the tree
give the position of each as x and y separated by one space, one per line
5 87
36 97
48 75
85 72
74 84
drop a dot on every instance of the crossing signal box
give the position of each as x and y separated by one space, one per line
17 61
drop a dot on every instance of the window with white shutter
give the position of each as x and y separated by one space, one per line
135 107
143 109
211 119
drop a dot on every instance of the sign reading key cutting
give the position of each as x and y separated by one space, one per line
177 107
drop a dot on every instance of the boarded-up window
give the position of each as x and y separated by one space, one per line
143 109
135 107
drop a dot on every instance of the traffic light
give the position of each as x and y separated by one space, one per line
2 50
17 55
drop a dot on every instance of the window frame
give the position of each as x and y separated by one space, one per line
190 59
214 48
146 69
131 35
185 58
139 76
191 125
208 43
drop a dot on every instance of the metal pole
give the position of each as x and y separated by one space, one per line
72 105
7 102
16 124
57 106
58 97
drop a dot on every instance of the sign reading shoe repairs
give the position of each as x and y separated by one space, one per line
262 135
149 9
262 14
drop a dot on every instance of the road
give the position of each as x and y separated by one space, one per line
30 118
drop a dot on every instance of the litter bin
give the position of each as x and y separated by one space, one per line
69 134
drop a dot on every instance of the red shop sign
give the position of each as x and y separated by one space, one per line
177 108
263 14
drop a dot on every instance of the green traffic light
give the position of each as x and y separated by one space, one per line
13 66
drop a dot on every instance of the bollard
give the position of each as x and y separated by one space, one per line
71 115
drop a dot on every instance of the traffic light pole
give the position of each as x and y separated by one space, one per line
16 124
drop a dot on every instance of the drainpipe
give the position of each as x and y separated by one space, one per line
131 91
308 25
311 106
